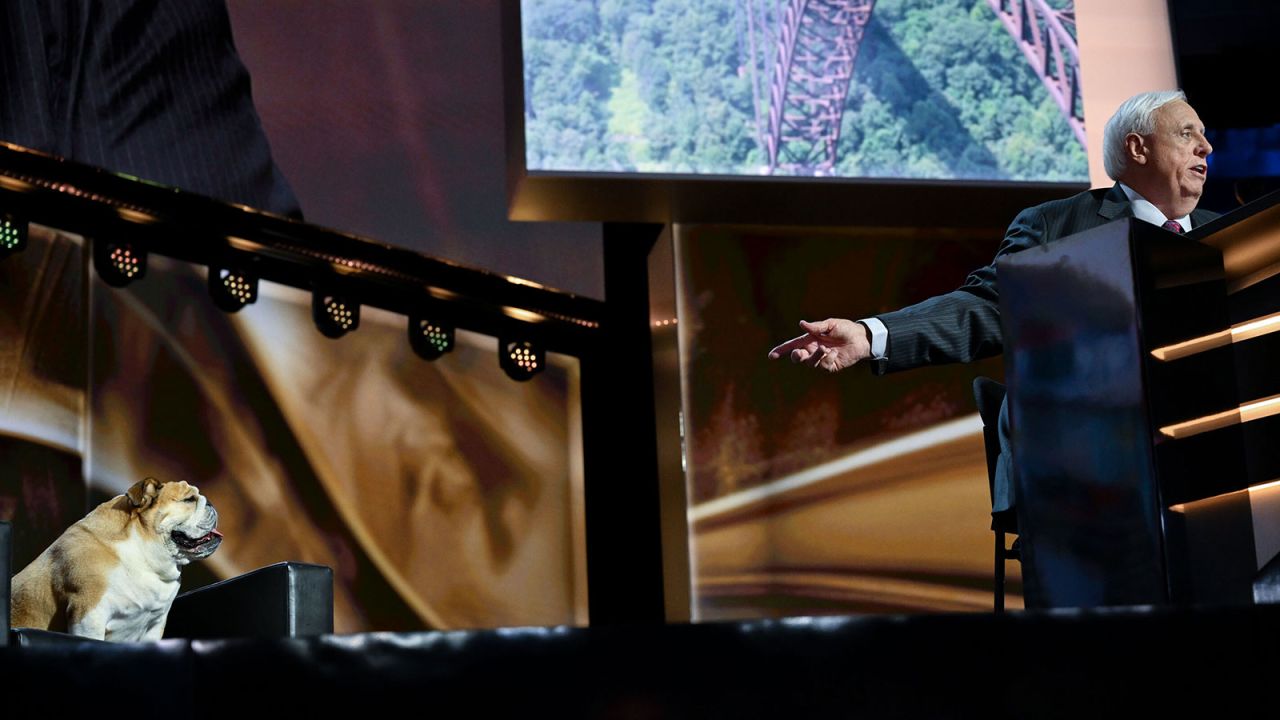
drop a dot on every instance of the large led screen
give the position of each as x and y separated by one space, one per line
893 89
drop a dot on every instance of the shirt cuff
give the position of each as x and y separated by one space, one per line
879 337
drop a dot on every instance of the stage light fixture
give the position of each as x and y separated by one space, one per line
429 337
119 262
521 359
232 288
13 234
335 315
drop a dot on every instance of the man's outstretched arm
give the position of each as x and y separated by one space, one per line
959 326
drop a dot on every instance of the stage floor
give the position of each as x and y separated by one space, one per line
1055 664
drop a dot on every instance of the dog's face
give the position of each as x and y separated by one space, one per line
179 516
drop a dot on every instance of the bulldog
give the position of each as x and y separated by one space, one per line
114 574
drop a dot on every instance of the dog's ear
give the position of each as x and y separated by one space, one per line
144 492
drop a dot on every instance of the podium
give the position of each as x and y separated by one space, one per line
1144 396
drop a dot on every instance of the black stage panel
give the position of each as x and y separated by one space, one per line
1055 664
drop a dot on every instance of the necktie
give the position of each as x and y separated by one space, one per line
1173 226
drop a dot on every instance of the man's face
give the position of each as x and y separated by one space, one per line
1174 167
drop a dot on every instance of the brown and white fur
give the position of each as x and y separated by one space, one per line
114 574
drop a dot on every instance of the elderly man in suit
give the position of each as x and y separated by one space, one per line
1155 149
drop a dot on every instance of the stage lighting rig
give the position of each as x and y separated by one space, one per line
430 337
335 315
521 359
232 287
119 262
13 234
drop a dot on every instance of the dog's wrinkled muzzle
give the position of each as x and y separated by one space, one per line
204 545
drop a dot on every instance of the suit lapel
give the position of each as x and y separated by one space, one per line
1115 204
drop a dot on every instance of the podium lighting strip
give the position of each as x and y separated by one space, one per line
1256 410
1236 333
1194 504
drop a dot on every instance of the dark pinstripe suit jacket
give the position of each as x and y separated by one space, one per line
152 88
964 325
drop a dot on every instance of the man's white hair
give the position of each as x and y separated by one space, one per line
1135 115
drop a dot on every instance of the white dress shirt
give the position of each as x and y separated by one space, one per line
1144 210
